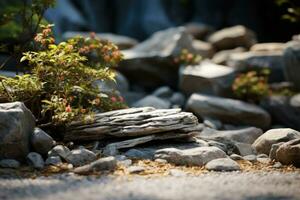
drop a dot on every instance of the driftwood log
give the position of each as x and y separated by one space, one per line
133 122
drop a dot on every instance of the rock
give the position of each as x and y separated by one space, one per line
295 101
108 163
268 47
53 160
16 126
9 163
223 56
283 111
197 30
207 77
236 157
177 99
247 61
196 156
262 156
177 173
163 92
222 164
153 59
264 143
229 38
59 150
153 101
204 49
161 160
251 158
274 149
219 145
212 123
126 162
133 122
291 59
264 160
277 165
135 169
123 42
228 110
289 153
244 149
110 86
244 135
41 141
35 160
79 157
132 97
138 154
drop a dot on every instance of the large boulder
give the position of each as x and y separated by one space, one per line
228 110
283 110
291 61
289 153
16 126
196 156
206 78
153 59
229 38
264 143
246 61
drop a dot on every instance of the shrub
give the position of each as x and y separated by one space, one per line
187 58
252 86
64 76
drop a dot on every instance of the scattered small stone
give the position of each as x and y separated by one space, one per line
161 160
213 123
218 145
135 169
163 92
59 150
244 149
262 156
53 160
222 164
273 150
177 99
121 157
80 157
277 165
251 158
108 163
153 101
236 157
9 163
264 160
35 160
126 162
41 141
177 173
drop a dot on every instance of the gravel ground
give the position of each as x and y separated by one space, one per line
231 186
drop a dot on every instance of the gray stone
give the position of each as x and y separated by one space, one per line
262 156
35 160
16 126
177 99
204 49
212 123
222 164
273 150
219 145
161 160
110 86
289 153
125 163
244 135
272 46
264 143
222 57
236 157
153 59
135 169
244 149
198 30
207 77
131 97
9 163
153 101
138 154
163 92
41 141
277 165
196 156
108 163
251 158
123 42
59 150
228 110
247 61
79 157
295 101
292 62
264 160
53 160
229 38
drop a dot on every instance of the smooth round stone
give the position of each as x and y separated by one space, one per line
222 164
